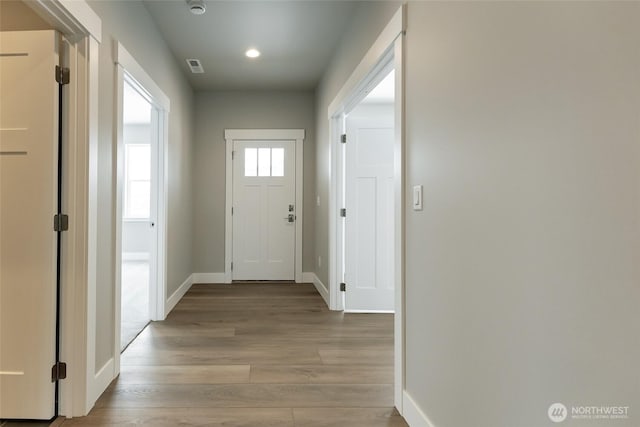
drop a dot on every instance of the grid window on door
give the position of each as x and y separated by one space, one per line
264 162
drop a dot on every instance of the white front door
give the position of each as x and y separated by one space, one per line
264 211
28 203
369 203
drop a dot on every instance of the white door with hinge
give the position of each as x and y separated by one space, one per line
28 203
264 210
369 203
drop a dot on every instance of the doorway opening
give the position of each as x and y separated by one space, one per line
139 236
142 119
367 188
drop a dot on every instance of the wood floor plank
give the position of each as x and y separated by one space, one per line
184 374
171 329
254 354
210 417
342 356
321 374
277 356
352 417
246 396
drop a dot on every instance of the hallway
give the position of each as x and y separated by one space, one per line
259 354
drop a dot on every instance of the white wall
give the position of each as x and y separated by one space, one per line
523 279
217 111
131 24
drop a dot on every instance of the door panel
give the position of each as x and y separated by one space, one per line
263 189
28 203
369 203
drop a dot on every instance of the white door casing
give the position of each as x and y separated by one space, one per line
369 202
269 137
264 210
28 202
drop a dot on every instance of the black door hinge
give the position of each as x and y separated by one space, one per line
58 371
343 138
60 222
63 75
343 287
343 212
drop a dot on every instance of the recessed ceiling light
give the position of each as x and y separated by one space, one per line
197 7
252 53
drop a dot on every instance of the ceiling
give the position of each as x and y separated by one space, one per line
296 38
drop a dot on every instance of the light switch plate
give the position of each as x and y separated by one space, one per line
417 197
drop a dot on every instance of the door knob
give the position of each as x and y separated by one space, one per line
290 218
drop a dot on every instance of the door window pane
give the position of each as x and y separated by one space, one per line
264 162
250 161
277 162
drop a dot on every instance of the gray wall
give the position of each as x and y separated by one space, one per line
522 271
131 24
369 20
217 111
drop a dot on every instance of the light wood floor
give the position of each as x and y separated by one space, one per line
255 355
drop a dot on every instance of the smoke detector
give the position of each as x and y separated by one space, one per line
197 7
195 65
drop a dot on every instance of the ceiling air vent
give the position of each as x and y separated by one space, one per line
195 65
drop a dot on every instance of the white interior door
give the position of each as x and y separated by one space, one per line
264 211
369 203
28 203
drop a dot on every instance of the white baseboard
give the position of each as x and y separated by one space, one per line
412 413
371 311
212 278
101 381
311 277
175 297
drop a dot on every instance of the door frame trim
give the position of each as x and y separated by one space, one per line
82 29
389 46
231 135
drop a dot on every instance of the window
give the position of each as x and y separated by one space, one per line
264 162
137 189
